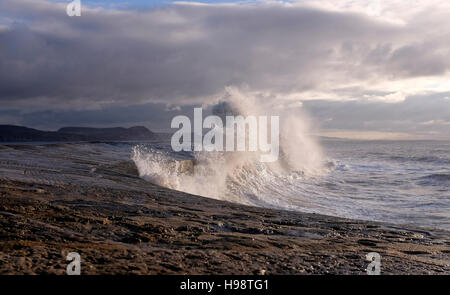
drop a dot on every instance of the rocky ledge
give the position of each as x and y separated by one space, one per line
138 228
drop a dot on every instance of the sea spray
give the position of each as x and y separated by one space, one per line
234 133
240 176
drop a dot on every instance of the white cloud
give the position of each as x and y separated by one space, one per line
390 98
436 122
394 11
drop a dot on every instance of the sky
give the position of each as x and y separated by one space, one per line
369 69
138 4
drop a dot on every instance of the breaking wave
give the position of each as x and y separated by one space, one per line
240 176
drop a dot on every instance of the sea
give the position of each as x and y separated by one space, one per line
400 182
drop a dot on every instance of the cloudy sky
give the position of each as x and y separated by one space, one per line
360 68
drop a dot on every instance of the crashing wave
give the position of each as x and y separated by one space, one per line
240 176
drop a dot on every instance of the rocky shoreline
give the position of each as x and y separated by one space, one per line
120 224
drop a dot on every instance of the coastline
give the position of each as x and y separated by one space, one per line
121 224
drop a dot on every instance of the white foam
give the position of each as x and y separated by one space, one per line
240 176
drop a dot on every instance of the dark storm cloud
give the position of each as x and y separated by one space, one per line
417 115
419 60
154 115
53 67
187 52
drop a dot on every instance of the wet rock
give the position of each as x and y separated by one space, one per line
121 224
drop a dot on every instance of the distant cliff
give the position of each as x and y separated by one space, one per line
13 133
116 133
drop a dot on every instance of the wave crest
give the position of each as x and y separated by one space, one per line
240 176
